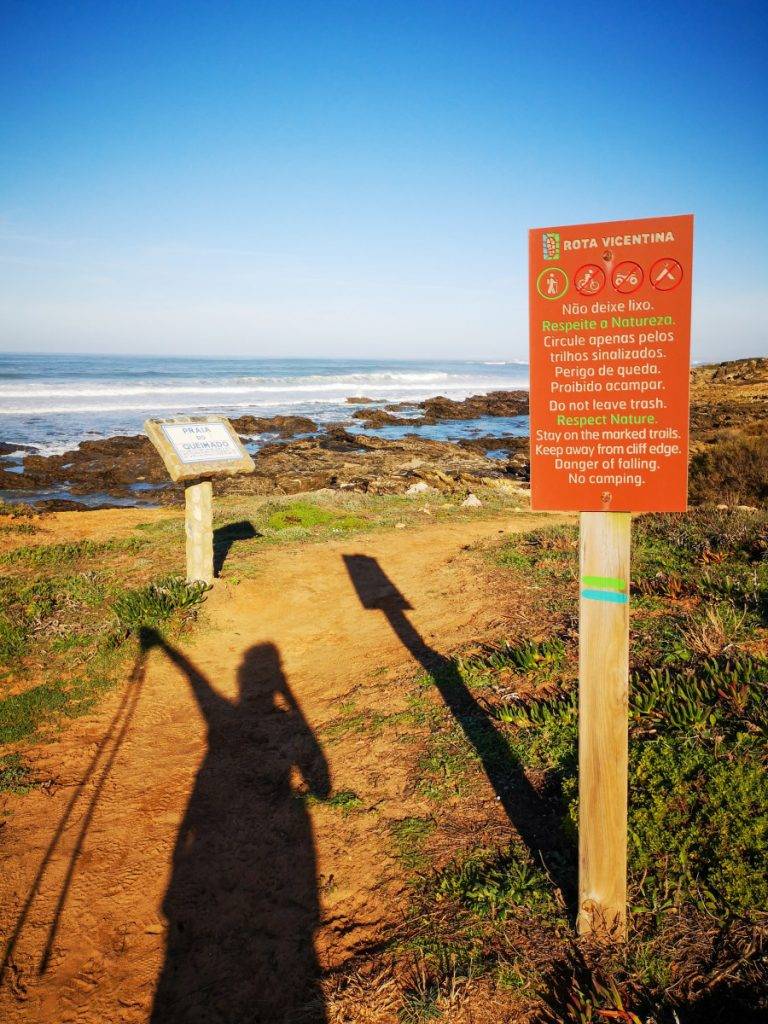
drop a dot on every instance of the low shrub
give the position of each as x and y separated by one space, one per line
151 606
733 470
493 883
704 535
15 775
698 826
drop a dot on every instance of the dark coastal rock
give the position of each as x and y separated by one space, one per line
112 461
441 409
517 463
334 457
360 400
65 505
507 403
374 418
7 448
401 406
107 465
496 403
16 481
337 439
373 465
283 426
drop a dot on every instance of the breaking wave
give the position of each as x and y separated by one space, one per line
52 400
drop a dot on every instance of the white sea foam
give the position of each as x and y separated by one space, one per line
218 389
41 400
56 401
239 385
144 407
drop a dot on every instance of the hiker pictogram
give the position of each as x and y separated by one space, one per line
589 279
552 283
627 277
666 274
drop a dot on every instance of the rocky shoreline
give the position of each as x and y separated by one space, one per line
729 401
299 456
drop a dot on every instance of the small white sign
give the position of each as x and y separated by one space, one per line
201 442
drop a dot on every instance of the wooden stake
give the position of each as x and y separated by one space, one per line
198 526
603 722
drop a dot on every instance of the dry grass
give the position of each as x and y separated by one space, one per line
716 631
733 470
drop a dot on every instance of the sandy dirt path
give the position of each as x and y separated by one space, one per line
99 525
183 865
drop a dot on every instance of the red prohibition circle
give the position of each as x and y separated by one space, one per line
627 277
665 274
589 279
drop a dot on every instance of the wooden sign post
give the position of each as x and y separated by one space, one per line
196 449
603 725
610 315
198 527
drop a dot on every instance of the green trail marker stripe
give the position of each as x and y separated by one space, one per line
606 582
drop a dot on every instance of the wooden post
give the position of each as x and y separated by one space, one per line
603 722
198 495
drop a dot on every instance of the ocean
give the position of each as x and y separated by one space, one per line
53 402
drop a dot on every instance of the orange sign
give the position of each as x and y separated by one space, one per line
610 355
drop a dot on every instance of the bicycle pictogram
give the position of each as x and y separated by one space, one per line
589 279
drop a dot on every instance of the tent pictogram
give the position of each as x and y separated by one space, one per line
666 274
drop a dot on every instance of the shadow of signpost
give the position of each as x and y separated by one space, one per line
242 903
225 536
536 821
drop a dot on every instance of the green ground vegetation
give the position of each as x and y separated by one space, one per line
491 878
501 914
70 618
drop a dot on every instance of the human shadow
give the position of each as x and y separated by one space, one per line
242 903
537 818
225 536
89 790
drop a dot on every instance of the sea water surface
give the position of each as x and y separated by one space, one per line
53 402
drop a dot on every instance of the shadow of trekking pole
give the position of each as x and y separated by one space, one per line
99 768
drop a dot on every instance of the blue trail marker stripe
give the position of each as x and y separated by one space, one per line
605 595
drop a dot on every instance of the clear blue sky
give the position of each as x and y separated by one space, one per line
357 178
